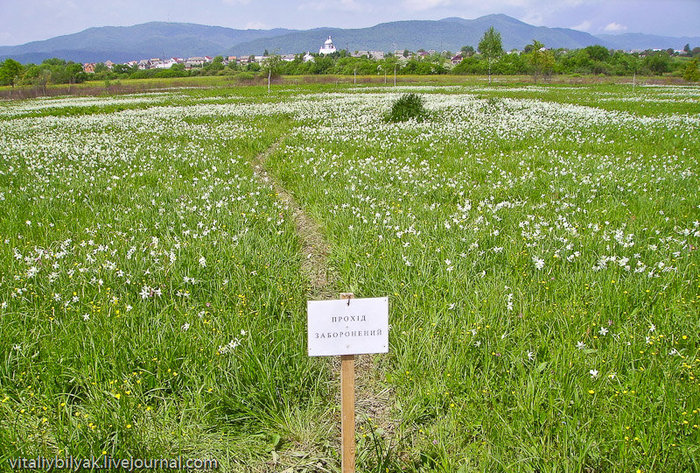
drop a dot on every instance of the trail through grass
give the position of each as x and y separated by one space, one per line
314 249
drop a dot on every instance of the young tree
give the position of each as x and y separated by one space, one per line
657 63
691 73
75 74
271 64
99 67
216 65
121 69
491 46
467 51
634 64
43 79
542 61
390 63
10 71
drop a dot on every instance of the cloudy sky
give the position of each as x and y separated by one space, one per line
22 21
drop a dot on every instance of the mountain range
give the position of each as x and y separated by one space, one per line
159 39
120 44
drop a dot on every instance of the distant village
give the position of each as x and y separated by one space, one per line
327 48
535 59
200 61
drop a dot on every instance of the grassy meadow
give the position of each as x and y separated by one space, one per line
538 244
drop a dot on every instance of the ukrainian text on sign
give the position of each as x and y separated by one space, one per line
348 326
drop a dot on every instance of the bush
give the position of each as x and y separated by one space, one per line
245 76
406 107
691 73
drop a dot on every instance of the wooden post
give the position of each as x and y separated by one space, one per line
347 404
370 321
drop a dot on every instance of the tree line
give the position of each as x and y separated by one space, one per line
488 58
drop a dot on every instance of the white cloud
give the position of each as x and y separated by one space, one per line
583 26
533 18
235 2
614 27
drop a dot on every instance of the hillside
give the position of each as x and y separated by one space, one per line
447 34
124 43
160 39
629 41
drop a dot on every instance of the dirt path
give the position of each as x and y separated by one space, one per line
373 398
314 247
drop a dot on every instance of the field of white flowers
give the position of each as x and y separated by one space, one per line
538 244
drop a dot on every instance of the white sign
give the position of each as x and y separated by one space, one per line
348 326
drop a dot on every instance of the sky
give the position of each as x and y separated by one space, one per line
22 21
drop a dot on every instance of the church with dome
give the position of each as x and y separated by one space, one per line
328 47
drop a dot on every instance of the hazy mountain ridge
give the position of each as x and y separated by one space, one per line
447 34
161 39
125 43
629 41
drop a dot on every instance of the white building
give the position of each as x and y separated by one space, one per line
168 63
195 61
328 47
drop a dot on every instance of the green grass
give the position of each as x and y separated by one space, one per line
111 371
538 245
491 407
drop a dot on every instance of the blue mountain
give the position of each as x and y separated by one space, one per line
159 39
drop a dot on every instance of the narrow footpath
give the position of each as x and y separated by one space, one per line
373 399
313 246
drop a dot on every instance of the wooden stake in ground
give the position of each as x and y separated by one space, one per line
347 327
347 406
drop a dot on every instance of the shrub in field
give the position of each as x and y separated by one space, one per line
406 107
245 76
691 73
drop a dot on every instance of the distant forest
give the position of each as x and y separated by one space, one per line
535 60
